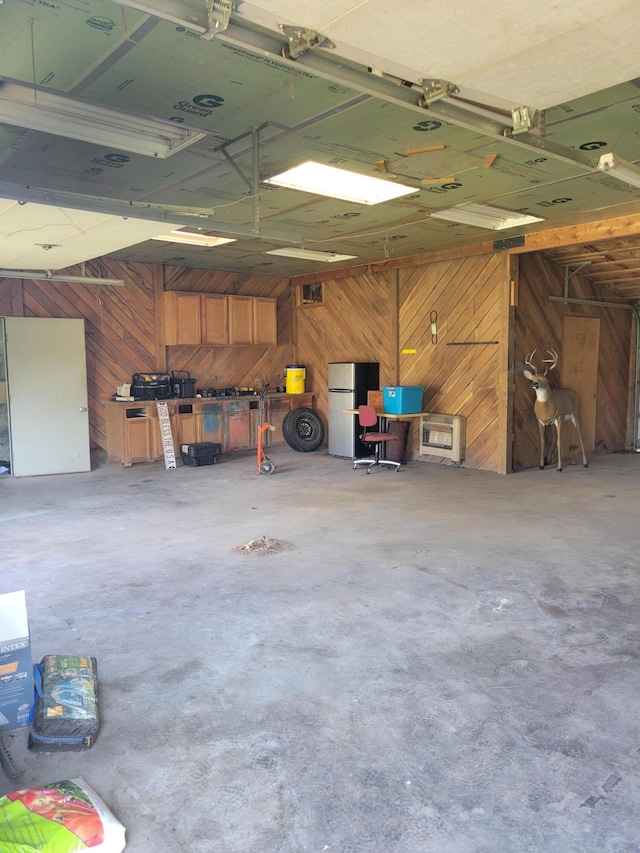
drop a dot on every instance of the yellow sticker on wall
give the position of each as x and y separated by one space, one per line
408 352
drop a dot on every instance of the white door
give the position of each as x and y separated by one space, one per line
47 383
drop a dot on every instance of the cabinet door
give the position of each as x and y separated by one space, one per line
265 329
210 423
215 319
186 430
238 426
276 409
182 318
240 319
138 447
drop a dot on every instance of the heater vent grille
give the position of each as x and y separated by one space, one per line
442 435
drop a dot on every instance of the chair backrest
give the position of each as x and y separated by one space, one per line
367 416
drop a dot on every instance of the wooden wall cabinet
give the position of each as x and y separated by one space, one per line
215 319
182 314
240 319
265 322
218 319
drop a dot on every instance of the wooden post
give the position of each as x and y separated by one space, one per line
16 289
506 377
394 325
157 278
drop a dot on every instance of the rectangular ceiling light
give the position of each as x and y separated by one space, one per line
339 183
192 238
47 112
620 169
310 255
485 216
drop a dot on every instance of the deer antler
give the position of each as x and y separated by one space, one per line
550 361
529 361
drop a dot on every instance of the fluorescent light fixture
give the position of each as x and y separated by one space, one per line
310 255
47 112
192 238
620 169
339 183
484 216
45 275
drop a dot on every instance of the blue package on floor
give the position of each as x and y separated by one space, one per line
66 714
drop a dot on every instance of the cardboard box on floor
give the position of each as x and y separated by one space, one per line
16 675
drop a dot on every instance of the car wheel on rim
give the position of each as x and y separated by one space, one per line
303 429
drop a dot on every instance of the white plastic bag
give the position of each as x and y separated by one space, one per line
63 817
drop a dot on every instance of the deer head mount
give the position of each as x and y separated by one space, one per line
552 405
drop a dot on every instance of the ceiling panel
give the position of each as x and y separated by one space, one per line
263 113
43 237
529 53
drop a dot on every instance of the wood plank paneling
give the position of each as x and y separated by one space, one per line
467 297
353 323
221 367
539 323
356 322
370 316
124 329
119 326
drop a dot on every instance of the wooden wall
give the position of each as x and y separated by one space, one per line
220 367
124 332
369 315
460 373
373 316
539 323
353 323
119 325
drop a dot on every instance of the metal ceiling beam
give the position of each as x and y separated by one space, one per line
134 210
336 69
405 94
206 18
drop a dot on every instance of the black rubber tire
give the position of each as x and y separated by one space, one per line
303 430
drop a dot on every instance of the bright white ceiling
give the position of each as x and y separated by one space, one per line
43 237
538 54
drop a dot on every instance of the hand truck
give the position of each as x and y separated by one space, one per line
265 465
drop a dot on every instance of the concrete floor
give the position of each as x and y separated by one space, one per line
442 660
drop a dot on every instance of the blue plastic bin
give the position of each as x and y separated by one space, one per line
402 399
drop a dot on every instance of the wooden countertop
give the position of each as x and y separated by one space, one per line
272 395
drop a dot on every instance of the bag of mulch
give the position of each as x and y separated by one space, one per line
66 712
64 817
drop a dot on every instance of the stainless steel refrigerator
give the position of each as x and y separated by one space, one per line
349 382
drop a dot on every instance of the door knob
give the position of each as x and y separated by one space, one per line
83 408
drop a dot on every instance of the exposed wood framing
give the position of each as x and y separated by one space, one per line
506 384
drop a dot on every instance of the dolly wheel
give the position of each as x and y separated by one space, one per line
267 467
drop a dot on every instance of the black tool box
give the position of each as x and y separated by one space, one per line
151 386
201 453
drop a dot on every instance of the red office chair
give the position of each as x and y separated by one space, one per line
368 417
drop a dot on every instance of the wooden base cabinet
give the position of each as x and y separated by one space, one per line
133 433
133 429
